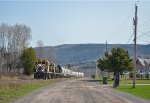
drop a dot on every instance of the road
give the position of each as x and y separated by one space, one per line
82 90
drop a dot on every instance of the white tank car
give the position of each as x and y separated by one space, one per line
68 72
82 74
63 71
71 73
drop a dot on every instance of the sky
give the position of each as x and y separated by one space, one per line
77 22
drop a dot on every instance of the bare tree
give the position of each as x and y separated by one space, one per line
3 33
21 35
40 44
13 40
52 54
20 39
46 52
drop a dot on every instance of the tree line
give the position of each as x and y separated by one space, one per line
13 40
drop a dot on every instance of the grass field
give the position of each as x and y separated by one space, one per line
130 81
12 90
125 81
142 91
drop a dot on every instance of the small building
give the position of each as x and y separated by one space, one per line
143 67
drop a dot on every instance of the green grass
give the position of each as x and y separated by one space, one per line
125 81
138 81
11 91
140 91
130 81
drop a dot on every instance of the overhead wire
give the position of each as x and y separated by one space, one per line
130 38
144 23
121 27
133 33
143 34
144 41
125 23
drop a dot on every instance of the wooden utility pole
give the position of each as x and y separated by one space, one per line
96 73
106 46
135 32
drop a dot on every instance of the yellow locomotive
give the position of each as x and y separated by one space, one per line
46 70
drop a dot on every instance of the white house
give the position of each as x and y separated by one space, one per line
143 67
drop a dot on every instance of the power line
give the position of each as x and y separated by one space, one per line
130 38
144 23
137 2
144 40
143 34
140 31
131 42
125 21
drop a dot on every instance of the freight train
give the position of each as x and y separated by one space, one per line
46 70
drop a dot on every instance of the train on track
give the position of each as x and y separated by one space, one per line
46 70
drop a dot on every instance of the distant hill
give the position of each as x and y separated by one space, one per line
82 57
84 53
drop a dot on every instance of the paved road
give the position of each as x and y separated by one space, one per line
83 90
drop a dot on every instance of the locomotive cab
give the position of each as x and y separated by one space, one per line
41 69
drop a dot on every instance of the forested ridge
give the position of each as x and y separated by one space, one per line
83 53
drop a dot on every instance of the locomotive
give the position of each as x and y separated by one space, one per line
46 70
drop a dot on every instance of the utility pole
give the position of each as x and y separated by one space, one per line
106 72
106 46
135 33
96 74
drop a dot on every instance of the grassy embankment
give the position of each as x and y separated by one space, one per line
13 89
141 90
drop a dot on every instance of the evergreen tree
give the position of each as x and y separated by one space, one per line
28 59
117 61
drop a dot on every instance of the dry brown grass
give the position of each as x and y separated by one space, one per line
14 84
14 89
9 85
6 74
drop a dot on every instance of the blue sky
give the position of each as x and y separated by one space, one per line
73 22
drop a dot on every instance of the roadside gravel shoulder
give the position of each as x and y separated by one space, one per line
81 90
29 97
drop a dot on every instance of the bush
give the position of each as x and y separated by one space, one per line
93 76
28 59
